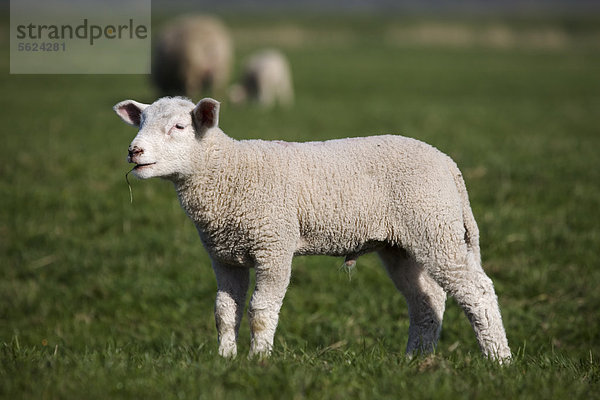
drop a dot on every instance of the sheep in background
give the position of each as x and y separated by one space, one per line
192 56
266 80
257 204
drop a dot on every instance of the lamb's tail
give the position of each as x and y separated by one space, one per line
471 229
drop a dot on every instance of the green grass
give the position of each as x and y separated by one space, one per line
100 298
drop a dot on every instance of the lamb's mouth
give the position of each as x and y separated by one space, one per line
138 166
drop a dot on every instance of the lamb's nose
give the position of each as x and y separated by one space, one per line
133 152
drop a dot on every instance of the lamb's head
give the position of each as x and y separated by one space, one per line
170 132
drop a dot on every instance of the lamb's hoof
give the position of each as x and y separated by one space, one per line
502 357
228 351
259 353
505 359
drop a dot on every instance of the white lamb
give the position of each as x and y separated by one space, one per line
266 80
259 203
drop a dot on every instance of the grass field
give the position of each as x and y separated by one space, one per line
100 298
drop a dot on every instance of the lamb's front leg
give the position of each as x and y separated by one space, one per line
272 280
232 286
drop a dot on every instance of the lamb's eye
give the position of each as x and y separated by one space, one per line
179 126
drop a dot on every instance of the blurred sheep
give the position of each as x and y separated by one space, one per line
266 80
192 56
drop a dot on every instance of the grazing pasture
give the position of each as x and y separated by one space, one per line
101 298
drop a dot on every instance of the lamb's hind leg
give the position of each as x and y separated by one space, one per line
426 299
466 281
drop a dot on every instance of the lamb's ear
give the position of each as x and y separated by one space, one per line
130 111
206 114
